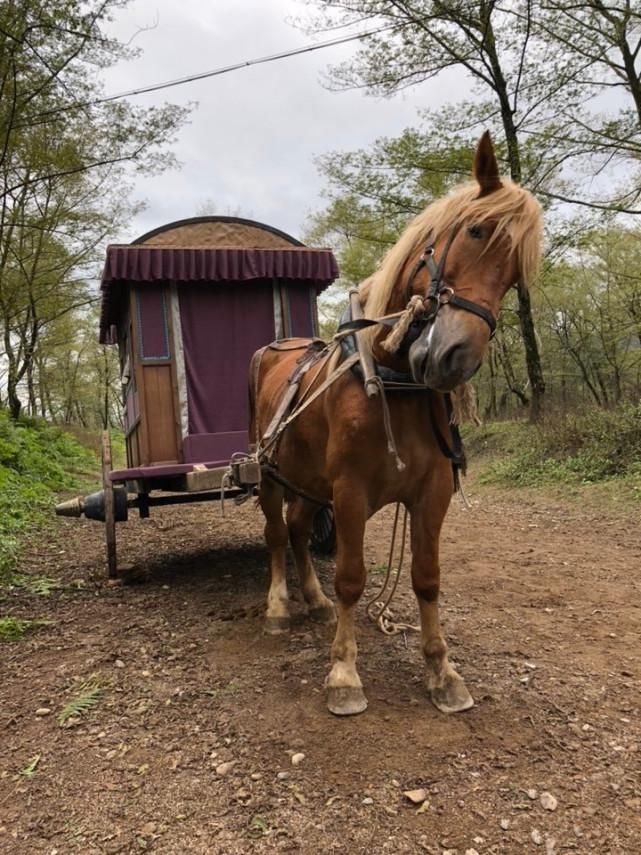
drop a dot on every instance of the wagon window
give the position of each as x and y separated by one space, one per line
153 333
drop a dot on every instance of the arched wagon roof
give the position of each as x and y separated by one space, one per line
209 249
218 231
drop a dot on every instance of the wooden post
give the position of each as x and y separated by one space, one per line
110 524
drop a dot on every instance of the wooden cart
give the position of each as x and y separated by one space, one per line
187 305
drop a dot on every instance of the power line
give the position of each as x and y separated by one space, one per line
217 72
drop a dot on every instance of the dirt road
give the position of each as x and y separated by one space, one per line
188 748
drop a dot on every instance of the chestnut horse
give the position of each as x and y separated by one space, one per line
484 237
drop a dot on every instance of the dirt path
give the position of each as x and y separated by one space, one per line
542 610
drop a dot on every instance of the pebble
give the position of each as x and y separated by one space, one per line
282 776
471 852
537 837
224 769
119 663
417 797
297 758
256 776
505 824
368 801
532 794
548 801
42 711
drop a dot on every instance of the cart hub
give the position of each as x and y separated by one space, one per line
93 506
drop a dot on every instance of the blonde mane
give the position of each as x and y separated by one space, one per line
514 209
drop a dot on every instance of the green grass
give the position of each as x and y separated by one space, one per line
593 447
36 461
30 769
12 629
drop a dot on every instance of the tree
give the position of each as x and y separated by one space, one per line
603 40
64 156
521 84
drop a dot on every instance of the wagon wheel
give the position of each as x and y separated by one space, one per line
323 539
110 522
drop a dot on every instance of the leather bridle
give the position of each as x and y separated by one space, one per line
439 294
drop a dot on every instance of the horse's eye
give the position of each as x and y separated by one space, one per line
475 232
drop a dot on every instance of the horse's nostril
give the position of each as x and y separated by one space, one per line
452 358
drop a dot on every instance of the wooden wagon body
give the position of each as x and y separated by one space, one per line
187 305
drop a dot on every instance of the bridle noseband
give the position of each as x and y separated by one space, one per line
440 294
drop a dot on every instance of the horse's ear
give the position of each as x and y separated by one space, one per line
486 169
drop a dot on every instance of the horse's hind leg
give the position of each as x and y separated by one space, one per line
345 694
271 501
300 518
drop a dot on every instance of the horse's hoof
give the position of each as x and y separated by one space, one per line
346 700
452 697
323 614
276 625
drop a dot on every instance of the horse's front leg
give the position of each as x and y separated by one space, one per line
447 689
345 694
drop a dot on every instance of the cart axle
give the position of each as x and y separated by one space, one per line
93 506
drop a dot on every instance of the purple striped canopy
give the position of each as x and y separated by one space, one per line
126 264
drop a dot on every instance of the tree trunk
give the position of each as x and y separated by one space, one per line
532 356
15 404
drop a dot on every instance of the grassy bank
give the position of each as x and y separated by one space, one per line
595 447
36 461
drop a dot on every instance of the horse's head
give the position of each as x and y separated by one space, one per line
481 240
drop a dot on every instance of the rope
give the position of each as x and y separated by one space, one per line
415 307
383 617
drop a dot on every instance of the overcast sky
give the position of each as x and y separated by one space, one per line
250 145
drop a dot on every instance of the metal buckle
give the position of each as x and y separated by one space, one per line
445 290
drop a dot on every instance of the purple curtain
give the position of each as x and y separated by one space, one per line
222 326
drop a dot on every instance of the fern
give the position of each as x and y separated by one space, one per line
89 693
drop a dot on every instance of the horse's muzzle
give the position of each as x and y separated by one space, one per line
443 364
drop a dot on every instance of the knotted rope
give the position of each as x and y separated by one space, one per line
414 308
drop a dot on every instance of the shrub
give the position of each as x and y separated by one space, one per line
35 461
577 448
